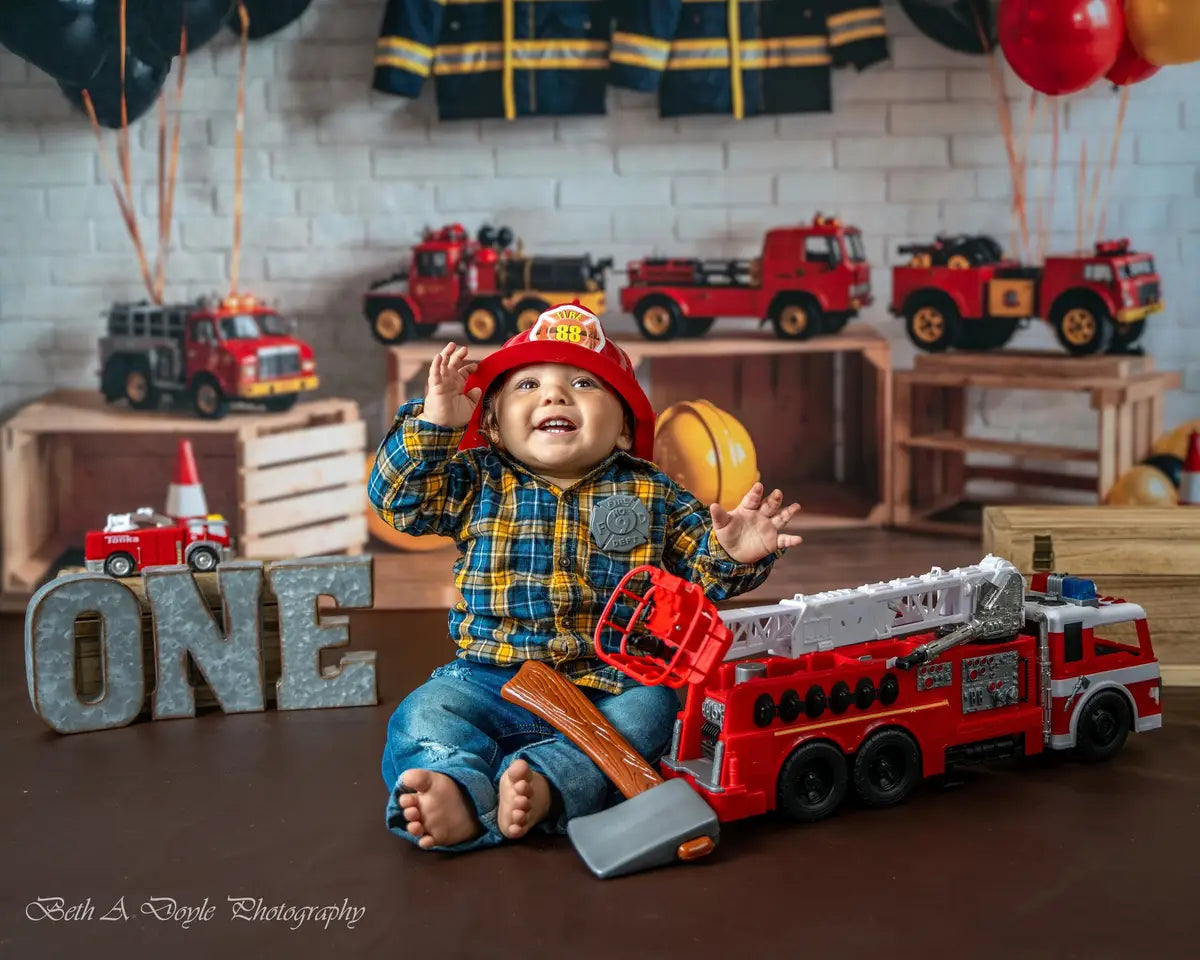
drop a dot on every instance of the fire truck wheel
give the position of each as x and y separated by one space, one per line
812 782
138 388
932 321
887 768
391 320
527 311
796 318
208 399
119 565
1082 324
697 326
203 559
486 323
659 318
1103 726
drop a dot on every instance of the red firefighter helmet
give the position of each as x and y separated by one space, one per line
570 334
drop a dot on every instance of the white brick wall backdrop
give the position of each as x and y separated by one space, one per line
340 180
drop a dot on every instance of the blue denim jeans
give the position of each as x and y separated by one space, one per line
457 723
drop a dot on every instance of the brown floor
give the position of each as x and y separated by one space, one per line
1039 858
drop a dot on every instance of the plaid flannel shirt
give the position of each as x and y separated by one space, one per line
534 582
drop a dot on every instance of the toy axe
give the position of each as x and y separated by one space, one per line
659 822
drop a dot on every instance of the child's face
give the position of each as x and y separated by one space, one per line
559 421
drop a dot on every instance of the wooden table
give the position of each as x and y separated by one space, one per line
818 411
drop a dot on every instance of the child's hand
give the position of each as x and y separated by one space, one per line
751 531
445 403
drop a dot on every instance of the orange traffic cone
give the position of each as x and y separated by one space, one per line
1189 479
185 495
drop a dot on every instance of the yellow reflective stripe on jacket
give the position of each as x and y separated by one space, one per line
706 53
404 54
637 50
735 64
856 25
526 55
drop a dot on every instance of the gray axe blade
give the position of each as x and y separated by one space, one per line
644 831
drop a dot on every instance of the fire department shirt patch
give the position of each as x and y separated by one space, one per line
620 523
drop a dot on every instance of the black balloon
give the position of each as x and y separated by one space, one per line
960 25
61 39
1171 465
204 20
143 83
266 16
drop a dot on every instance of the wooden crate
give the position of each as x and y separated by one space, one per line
818 411
930 443
1148 555
291 484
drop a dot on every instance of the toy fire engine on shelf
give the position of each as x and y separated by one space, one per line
808 279
962 292
493 292
877 687
211 352
186 533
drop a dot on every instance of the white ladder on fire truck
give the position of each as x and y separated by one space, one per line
874 611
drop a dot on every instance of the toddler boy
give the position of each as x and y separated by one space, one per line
537 462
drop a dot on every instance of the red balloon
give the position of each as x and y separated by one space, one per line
1060 46
1130 67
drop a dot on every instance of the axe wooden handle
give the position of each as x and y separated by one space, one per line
544 691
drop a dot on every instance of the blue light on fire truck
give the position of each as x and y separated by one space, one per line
1077 588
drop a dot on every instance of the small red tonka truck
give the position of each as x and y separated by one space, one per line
808 280
210 352
791 706
962 292
131 541
492 291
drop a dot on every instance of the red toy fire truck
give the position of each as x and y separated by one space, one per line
961 292
877 687
131 541
237 349
493 292
808 280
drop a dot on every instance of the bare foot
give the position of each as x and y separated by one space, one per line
524 799
436 810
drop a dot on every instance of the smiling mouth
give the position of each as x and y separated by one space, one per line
557 425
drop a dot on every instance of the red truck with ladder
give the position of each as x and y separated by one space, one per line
210 352
808 280
962 292
791 706
492 291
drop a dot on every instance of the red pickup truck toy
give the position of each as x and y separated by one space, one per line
494 292
212 353
809 279
961 291
131 541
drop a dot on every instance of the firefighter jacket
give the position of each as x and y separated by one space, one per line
497 58
743 57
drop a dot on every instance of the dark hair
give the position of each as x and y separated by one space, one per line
489 425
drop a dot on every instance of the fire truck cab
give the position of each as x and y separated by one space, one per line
808 280
875 688
131 541
492 291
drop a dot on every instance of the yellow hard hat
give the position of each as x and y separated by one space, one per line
706 451
1175 442
1143 485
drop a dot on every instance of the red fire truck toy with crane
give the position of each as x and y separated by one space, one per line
211 352
962 292
493 292
789 706
808 280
